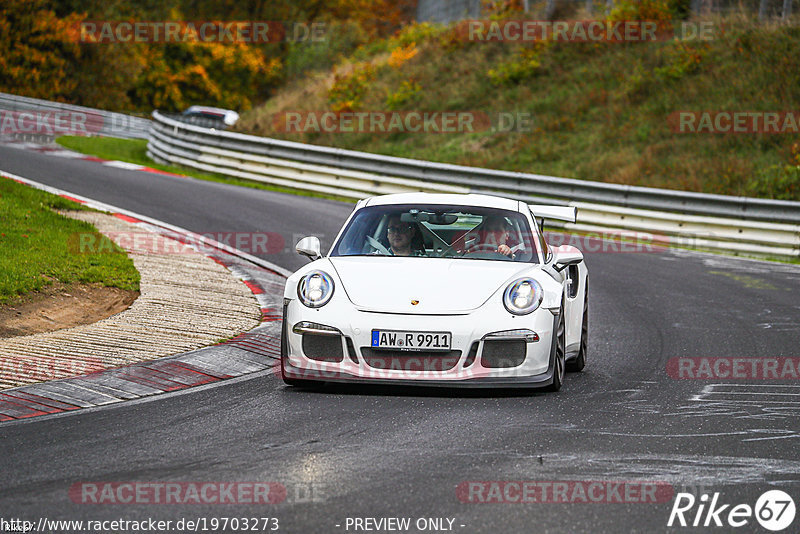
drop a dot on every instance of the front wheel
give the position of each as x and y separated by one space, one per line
579 362
307 384
297 382
560 342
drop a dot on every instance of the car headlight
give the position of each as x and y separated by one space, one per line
315 289
523 296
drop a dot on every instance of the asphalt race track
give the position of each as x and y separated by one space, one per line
379 452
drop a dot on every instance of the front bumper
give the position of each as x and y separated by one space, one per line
469 338
541 380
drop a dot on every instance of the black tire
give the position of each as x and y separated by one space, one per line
559 353
577 364
307 384
297 382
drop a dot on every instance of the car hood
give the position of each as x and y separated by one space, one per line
440 285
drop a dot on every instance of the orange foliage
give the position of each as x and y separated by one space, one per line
181 74
402 54
37 50
41 55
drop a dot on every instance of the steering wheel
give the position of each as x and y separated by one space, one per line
483 247
377 245
486 251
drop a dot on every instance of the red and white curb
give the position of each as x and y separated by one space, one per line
254 351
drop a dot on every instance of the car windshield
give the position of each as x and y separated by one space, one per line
438 231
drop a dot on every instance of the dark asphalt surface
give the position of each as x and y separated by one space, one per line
381 452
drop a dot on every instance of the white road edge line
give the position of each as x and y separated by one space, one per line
757 385
757 393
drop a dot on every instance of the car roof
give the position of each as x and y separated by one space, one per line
209 109
487 201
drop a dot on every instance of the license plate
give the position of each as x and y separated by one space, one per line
404 340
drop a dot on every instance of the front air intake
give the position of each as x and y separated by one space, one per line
323 348
503 354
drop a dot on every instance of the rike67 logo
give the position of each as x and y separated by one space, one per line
774 510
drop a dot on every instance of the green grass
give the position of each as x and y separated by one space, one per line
135 151
39 246
130 150
601 111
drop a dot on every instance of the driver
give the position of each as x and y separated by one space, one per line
403 238
494 234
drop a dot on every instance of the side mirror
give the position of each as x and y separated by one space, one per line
566 256
309 246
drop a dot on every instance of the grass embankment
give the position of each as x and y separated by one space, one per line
600 110
135 151
111 148
38 246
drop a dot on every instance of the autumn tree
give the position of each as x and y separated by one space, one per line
38 50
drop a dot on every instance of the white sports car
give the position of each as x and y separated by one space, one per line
441 290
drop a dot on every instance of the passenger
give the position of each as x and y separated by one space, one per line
404 238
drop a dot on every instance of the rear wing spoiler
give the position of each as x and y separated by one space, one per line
560 213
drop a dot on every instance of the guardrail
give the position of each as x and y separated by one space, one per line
694 220
23 116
